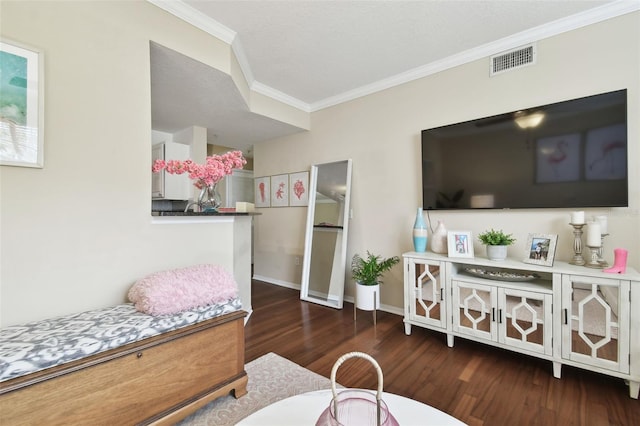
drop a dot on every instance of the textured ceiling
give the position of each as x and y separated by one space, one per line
313 54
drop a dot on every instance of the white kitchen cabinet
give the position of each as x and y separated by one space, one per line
165 186
567 314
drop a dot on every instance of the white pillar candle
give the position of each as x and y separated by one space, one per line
577 218
593 234
602 220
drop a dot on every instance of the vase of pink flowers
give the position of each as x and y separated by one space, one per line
205 176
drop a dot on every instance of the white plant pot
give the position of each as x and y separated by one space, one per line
367 297
497 252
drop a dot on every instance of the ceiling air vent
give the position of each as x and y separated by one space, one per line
516 58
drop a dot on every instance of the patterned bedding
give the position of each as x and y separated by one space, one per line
32 347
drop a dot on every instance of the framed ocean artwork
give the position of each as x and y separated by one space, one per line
21 105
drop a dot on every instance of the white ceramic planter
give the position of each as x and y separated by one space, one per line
367 297
497 252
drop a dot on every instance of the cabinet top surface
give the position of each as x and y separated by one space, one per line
511 263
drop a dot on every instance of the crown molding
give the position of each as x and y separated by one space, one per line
269 91
196 18
599 14
211 26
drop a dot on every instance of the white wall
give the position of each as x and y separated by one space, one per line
381 133
77 233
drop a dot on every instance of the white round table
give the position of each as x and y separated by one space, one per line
306 408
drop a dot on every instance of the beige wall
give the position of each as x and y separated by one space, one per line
381 133
76 234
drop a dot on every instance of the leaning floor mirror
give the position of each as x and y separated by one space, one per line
325 247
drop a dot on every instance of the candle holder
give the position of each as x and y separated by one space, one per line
577 244
601 260
594 263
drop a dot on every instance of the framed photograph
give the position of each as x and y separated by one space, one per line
460 244
280 191
299 189
541 249
262 191
21 105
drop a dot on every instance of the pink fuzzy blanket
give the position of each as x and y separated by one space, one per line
176 290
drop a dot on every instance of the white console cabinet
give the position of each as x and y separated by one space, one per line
567 314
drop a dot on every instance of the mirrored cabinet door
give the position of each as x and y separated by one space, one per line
425 295
595 323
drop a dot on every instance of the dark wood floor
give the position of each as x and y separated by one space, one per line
478 384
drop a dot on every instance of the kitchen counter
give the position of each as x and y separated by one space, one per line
230 234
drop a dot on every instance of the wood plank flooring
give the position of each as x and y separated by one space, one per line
478 384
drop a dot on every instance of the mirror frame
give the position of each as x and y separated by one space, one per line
338 280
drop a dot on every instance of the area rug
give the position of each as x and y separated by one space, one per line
271 378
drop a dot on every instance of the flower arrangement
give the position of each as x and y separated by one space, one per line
211 172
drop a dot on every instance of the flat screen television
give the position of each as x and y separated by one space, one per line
568 154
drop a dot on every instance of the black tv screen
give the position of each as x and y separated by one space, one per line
563 155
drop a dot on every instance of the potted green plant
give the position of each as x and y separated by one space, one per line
497 243
367 273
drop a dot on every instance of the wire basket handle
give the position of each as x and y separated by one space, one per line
347 356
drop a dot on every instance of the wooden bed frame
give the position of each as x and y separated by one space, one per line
157 380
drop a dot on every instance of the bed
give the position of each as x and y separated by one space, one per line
121 366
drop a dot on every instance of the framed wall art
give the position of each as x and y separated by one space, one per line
262 191
558 158
606 153
280 191
541 249
299 189
21 105
460 244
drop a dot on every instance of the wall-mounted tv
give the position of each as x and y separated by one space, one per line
564 155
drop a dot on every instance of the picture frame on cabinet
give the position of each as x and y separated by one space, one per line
280 190
460 244
262 191
299 189
541 249
22 105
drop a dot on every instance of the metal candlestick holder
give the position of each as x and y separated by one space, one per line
594 263
577 244
603 263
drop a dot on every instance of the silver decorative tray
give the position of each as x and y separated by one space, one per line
498 275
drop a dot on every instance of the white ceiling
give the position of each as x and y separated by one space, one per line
314 54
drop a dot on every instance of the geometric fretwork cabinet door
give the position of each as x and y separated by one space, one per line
424 294
595 322
515 317
525 319
475 309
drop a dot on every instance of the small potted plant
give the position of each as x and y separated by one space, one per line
497 243
367 273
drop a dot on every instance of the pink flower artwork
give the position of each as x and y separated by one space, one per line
280 191
261 188
298 189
